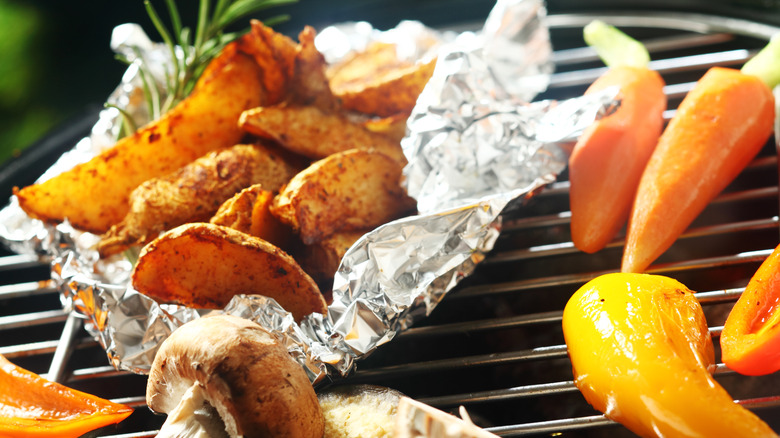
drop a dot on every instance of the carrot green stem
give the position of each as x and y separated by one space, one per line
614 47
766 64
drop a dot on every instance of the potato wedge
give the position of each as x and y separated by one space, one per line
275 54
316 134
194 193
392 127
351 190
309 83
204 265
292 72
94 195
391 92
321 259
361 67
248 212
236 212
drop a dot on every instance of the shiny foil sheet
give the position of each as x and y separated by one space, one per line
474 146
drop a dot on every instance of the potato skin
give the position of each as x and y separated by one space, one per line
393 92
321 260
245 369
351 190
94 195
314 133
204 265
194 193
248 212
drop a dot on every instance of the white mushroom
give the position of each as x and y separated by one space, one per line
233 368
418 420
358 411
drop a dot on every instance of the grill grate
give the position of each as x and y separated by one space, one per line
495 345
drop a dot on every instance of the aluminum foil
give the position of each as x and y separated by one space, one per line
474 146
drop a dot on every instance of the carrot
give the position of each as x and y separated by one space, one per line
750 340
32 406
609 157
718 129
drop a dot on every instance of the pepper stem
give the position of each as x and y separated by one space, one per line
614 47
766 64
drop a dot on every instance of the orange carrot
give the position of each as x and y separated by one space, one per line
31 406
750 340
718 129
608 160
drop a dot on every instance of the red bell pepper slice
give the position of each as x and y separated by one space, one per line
750 340
31 406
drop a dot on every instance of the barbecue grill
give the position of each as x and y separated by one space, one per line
495 344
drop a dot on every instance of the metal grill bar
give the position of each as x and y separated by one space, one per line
390 372
580 423
26 289
545 389
688 63
588 54
15 262
575 279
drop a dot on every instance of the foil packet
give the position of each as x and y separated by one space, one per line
475 147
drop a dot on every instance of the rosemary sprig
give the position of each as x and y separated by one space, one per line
192 51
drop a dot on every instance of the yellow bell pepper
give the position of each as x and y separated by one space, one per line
641 354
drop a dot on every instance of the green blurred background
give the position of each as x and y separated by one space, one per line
56 64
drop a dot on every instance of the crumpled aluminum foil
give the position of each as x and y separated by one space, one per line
474 146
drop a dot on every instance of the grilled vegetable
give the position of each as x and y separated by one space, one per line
292 73
194 193
355 411
610 156
750 340
248 212
31 406
223 374
204 265
718 129
380 89
416 419
311 132
321 260
351 190
640 352
94 195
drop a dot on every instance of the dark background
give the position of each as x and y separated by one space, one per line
56 64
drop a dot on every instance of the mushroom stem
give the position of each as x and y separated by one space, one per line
235 369
193 417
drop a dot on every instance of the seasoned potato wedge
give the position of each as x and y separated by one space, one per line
248 212
351 190
314 133
392 127
361 67
310 85
236 212
94 195
275 54
321 260
194 193
389 92
292 72
204 265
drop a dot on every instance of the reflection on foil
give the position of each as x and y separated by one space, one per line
473 143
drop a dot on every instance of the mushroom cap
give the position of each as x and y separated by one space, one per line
245 374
